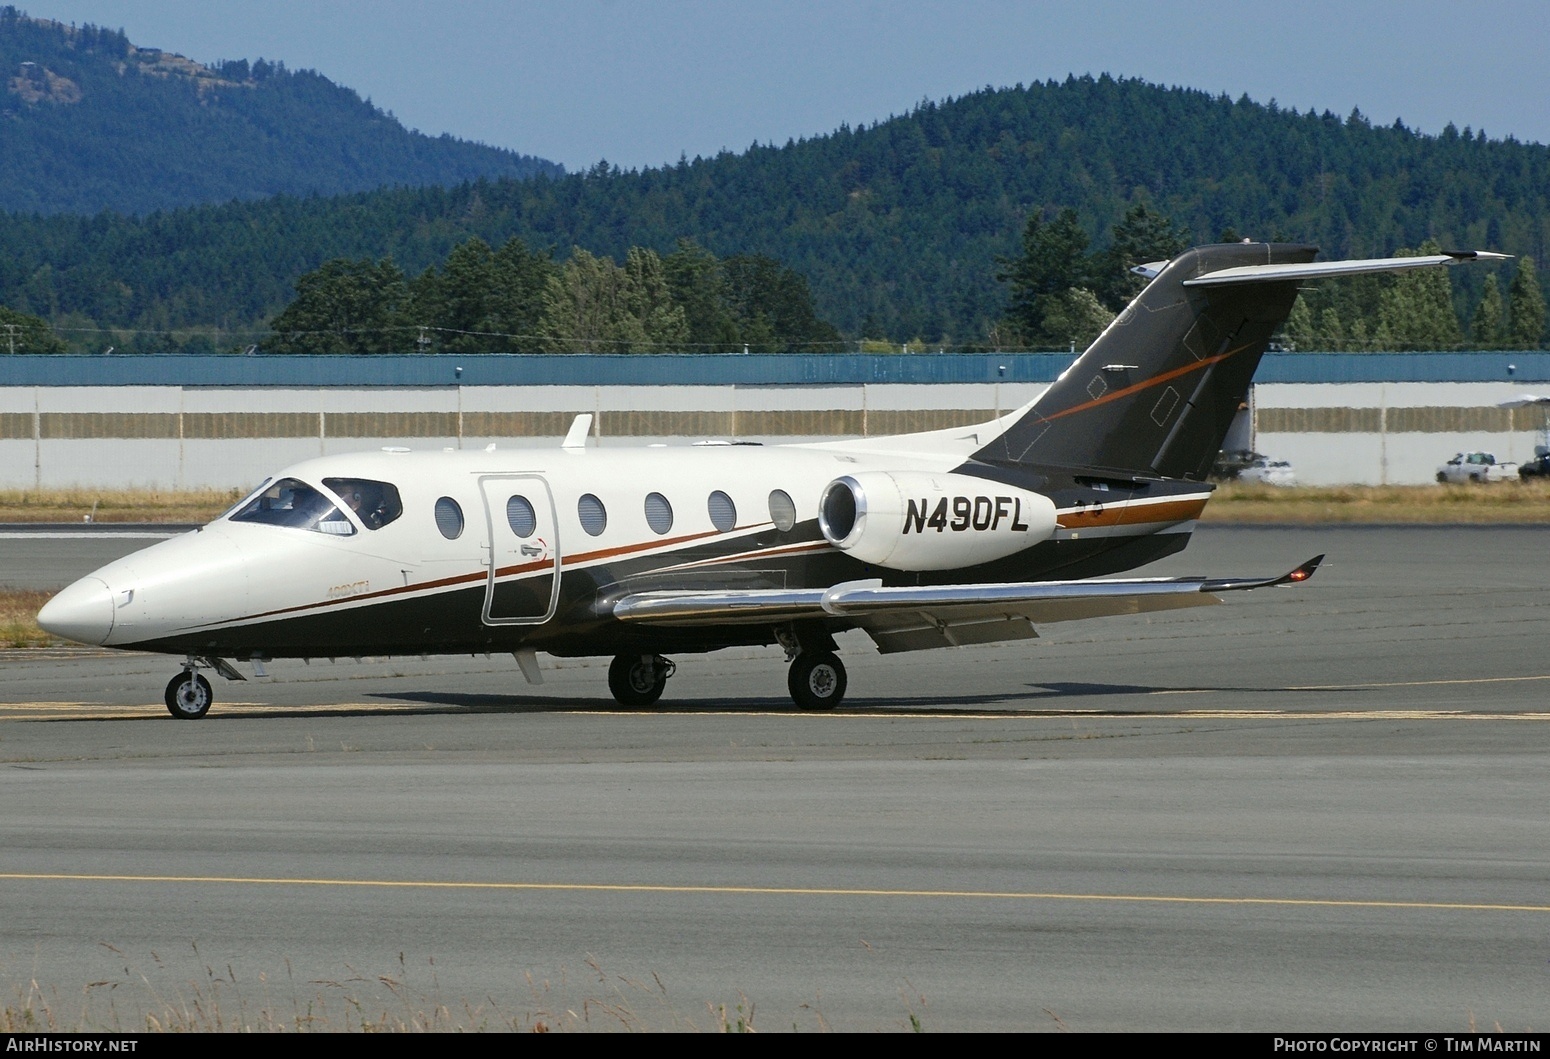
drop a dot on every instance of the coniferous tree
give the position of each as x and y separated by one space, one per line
1416 311
773 306
1485 328
454 301
1526 308
1054 260
1301 331
481 301
1143 236
517 303
345 306
698 287
650 301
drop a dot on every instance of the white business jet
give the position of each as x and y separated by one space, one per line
951 537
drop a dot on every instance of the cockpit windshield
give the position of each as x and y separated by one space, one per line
295 505
374 503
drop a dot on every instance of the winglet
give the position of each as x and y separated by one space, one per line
576 437
1234 584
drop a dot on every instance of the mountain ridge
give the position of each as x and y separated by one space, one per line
901 227
90 121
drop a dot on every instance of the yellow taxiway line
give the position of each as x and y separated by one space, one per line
775 891
55 711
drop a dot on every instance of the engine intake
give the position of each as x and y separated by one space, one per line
915 521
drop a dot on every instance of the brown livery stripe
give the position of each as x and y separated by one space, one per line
1132 514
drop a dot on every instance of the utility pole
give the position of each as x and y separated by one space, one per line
10 337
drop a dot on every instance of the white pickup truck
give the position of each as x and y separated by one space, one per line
1476 467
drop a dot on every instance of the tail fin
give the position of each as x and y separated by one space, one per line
1154 396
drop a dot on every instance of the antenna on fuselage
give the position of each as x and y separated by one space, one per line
576 437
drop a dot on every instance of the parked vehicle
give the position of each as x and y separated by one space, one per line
1269 472
1476 467
1538 467
1242 465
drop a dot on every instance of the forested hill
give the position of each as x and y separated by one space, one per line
898 226
90 122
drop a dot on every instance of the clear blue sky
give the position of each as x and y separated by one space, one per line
640 81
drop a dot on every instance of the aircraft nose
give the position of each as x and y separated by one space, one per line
83 612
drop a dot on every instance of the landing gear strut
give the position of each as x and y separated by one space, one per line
638 679
189 695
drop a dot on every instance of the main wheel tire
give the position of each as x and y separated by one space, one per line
636 680
189 696
1442 479
816 680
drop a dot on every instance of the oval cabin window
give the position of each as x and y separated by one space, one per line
659 513
593 516
520 516
723 513
783 512
449 518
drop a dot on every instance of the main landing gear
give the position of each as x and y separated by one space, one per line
638 679
816 679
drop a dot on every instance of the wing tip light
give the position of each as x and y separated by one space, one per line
1233 584
1303 572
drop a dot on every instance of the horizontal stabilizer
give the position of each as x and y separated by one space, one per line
1323 269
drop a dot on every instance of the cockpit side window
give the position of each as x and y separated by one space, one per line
374 503
295 505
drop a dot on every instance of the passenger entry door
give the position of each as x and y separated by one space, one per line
523 549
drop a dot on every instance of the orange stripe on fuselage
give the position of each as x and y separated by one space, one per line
1127 514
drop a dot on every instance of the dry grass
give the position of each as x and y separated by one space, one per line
1506 502
19 619
159 998
114 505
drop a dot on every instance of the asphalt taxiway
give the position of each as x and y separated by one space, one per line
1319 807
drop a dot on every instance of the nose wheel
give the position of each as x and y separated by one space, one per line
816 680
638 680
189 696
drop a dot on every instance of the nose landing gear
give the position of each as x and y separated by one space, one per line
189 695
638 679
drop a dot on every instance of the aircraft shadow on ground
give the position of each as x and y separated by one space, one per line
1050 699
1032 698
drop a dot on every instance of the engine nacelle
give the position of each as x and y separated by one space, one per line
911 520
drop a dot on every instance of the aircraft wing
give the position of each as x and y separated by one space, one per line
917 618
